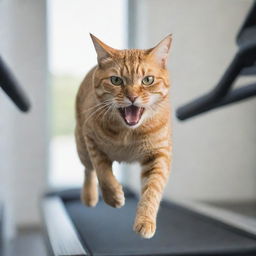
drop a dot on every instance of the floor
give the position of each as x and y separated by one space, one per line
28 242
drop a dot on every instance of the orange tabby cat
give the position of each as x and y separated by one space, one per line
123 114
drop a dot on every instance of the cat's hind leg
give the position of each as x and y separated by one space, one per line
89 191
112 191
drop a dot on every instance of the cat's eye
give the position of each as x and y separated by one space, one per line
116 80
148 80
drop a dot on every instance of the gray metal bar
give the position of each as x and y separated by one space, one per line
60 230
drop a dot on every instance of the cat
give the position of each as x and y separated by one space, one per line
123 114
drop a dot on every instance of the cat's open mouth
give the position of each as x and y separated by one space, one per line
131 114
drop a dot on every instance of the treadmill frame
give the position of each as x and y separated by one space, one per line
63 239
60 230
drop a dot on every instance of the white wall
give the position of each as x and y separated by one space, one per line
24 137
214 154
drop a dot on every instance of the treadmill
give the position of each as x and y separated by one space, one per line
184 228
11 87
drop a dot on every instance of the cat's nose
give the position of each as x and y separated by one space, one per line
132 98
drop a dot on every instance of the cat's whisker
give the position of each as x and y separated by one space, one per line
98 105
109 109
97 111
104 111
94 112
155 107
102 105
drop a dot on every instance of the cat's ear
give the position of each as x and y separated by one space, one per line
103 51
161 51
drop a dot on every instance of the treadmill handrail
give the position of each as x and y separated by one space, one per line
248 22
245 57
12 88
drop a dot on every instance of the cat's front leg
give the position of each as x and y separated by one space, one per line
155 172
112 191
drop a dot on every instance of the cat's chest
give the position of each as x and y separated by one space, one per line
123 153
124 148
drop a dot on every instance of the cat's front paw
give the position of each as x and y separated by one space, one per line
113 195
145 227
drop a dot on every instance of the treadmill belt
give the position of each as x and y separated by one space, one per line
107 231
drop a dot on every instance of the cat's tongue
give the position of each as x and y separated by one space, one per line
132 114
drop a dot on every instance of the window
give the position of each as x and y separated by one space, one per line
71 56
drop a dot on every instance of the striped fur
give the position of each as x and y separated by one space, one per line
102 136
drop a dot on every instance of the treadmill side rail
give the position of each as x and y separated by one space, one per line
235 220
61 232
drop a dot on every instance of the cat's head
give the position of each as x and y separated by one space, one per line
132 83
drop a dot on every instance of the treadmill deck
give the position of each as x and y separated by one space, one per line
106 231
